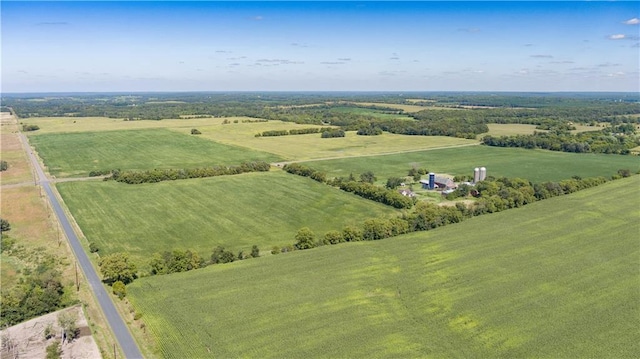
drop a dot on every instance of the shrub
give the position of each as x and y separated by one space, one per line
3 165
30 128
119 289
93 248
255 251
195 131
54 351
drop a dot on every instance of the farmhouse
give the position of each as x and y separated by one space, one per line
406 192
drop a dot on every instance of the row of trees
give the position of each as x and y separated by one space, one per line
363 188
156 175
294 131
616 140
494 195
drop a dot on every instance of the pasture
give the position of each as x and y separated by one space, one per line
403 107
235 212
298 147
499 129
552 279
534 165
11 150
308 147
76 154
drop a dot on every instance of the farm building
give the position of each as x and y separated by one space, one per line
406 192
440 182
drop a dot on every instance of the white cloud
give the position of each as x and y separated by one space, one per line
634 21
617 37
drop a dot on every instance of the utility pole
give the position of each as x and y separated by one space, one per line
77 283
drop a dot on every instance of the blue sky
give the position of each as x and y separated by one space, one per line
320 46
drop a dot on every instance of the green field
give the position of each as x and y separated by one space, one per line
235 212
534 165
76 154
555 279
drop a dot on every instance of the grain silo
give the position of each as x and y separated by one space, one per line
432 180
476 175
483 173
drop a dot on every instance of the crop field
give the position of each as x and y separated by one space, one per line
377 114
95 124
76 154
498 129
534 165
298 147
235 212
405 108
547 280
307 147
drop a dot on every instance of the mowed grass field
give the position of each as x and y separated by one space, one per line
76 154
534 165
11 150
290 148
498 129
235 212
555 279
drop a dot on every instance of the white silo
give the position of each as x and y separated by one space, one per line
483 173
476 175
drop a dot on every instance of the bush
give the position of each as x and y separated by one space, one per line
305 239
3 165
275 250
54 351
119 289
255 251
93 248
30 128
195 131
5 226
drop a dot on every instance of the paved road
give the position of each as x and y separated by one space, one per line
123 336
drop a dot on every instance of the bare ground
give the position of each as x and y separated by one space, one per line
27 340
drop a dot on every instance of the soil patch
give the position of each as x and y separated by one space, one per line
27 340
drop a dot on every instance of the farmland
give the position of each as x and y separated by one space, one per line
135 150
235 212
544 280
535 165
553 279
242 134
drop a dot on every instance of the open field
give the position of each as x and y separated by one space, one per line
298 147
307 147
235 212
558 278
405 108
534 165
11 151
377 114
498 129
96 124
76 154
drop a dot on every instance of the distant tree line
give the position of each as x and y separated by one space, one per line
618 139
364 188
156 175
